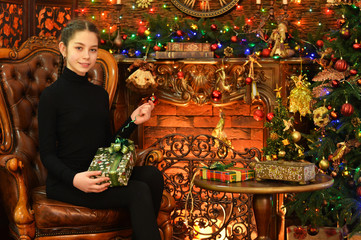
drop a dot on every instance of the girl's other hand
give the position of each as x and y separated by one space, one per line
86 182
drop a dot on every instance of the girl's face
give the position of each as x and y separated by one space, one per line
81 52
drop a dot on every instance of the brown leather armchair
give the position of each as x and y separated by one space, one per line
24 75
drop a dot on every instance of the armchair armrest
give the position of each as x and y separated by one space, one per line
14 189
149 155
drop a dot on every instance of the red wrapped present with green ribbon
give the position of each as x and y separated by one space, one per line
115 162
227 174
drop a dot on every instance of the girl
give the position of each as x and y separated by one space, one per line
74 122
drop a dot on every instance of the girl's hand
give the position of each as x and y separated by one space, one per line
85 182
142 113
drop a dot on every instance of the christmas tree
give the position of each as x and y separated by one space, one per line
334 143
282 143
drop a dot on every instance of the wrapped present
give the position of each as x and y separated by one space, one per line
322 233
285 170
231 174
115 162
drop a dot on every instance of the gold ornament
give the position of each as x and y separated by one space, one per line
285 142
324 164
278 91
144 3
281 154
296 136
268 158
346 173
228 52
274 157
218 131
300 96
320 116
288 124
273 136
146 32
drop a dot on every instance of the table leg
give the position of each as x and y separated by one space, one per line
262 207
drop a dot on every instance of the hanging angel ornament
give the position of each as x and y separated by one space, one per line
218 131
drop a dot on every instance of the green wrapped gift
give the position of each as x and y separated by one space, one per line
115 162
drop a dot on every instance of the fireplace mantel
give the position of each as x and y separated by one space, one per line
202 76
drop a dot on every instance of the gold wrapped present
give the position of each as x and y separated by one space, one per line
285 170
115 162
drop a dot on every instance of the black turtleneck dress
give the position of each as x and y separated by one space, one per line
74 121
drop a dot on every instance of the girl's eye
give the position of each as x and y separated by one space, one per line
78 48
94 50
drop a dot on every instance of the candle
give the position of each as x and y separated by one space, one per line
119 1
258 2
284 2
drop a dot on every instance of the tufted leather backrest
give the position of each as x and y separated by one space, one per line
24 74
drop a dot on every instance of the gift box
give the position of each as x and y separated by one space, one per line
285 170
322 233
232 174
115 162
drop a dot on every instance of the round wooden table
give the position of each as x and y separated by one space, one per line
263 191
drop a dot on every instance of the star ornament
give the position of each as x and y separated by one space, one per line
288 124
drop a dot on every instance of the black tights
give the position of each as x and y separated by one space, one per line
142 197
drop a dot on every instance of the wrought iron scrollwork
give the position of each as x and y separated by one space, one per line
208 214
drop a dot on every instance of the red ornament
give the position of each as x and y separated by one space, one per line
234 39
341 22
333 115
356 46
125 37
179 33
266 52
333 58
216 95
156 48
154 99
214 27
258 115
319 43
270 116
335 83
103 42
248 80
353 72
329 107
358 191
235 27
341 65
214 46
180 74
141 31
347 109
